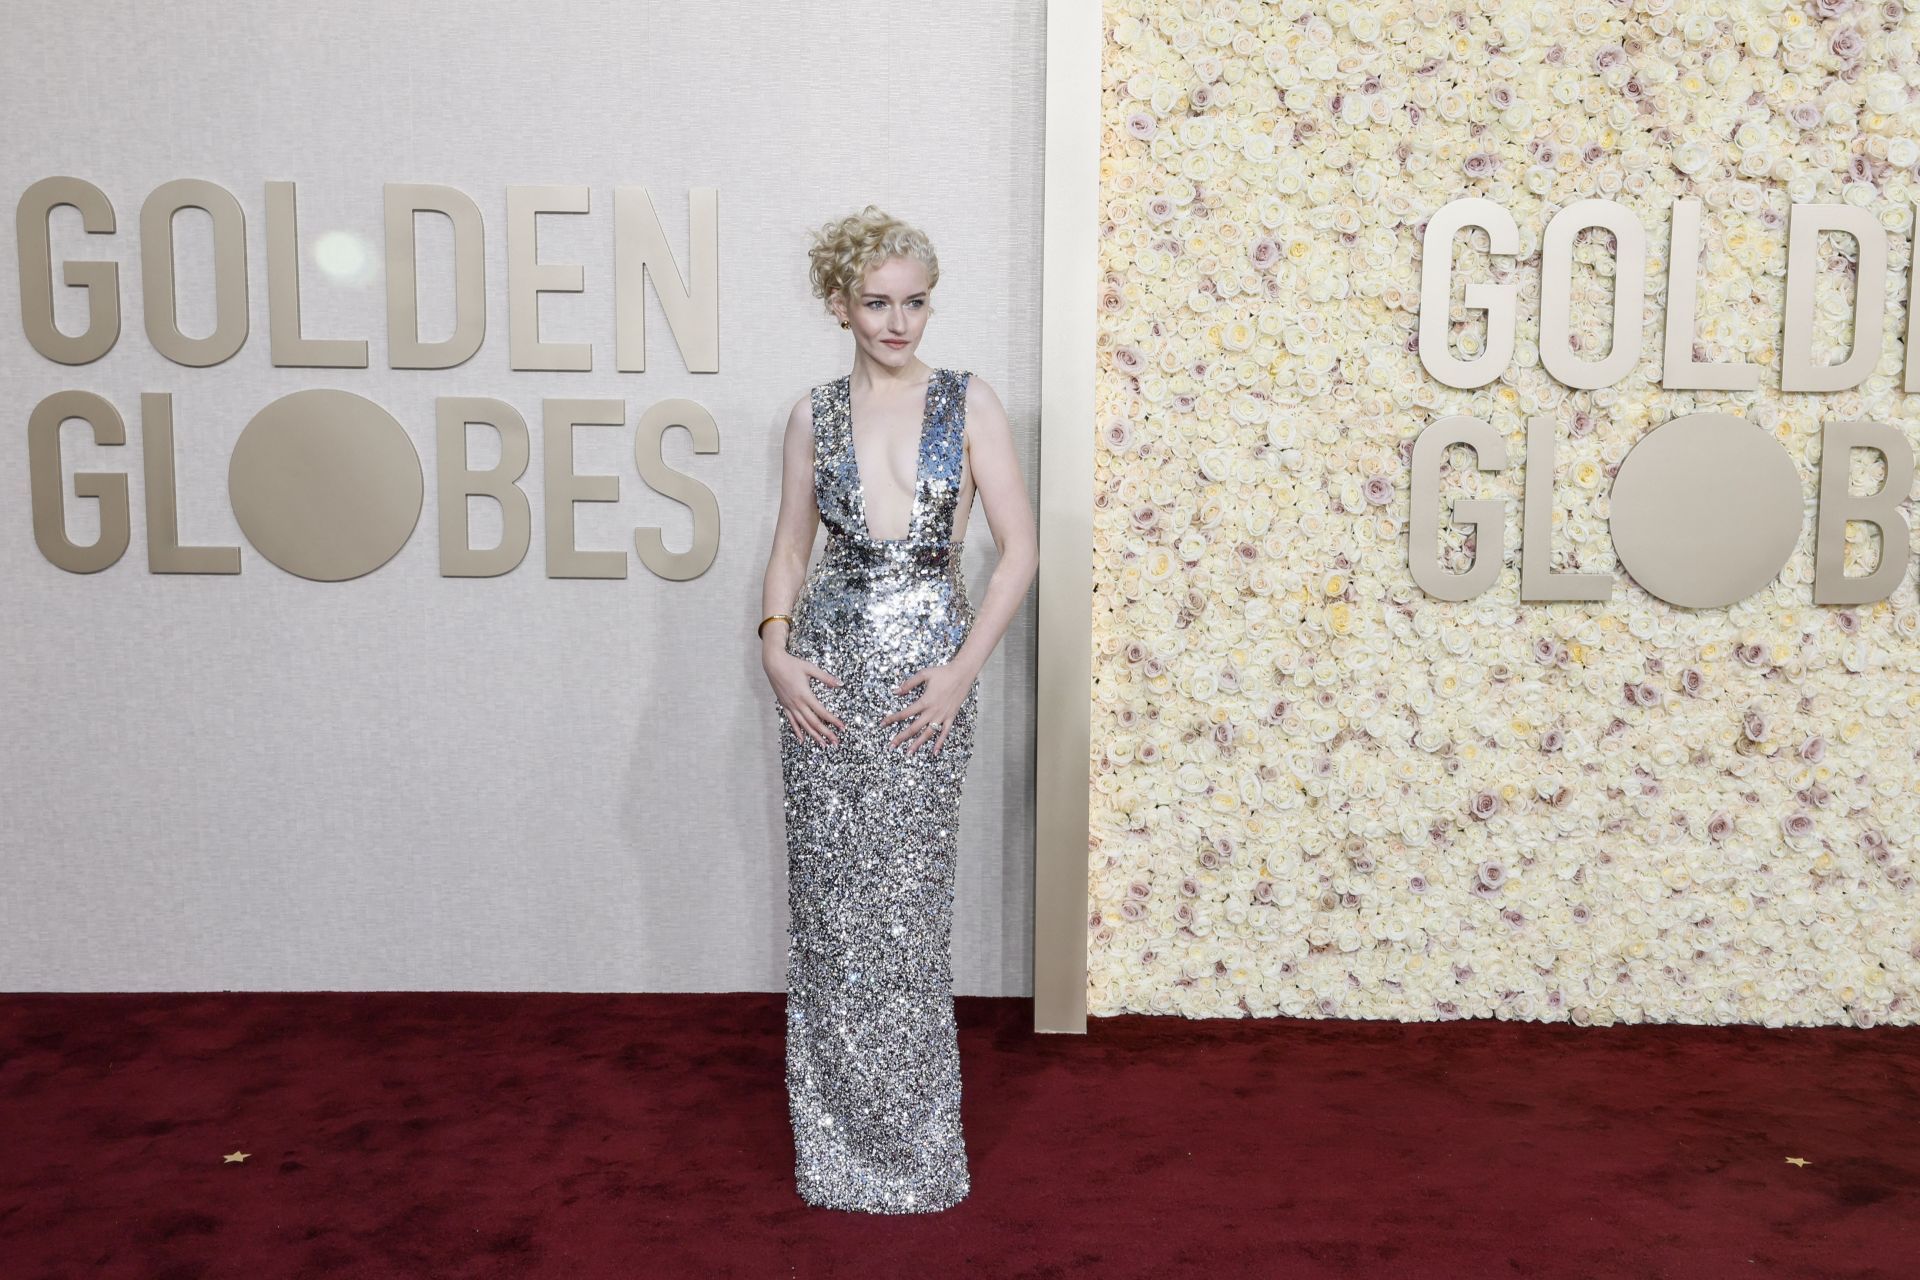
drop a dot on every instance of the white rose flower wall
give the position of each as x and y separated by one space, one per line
1320 791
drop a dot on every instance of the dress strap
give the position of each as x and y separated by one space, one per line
943 453
833 480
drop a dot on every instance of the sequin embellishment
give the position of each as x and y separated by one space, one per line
873 1062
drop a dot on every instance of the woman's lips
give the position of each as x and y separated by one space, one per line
893 343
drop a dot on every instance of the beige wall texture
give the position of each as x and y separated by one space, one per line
522 782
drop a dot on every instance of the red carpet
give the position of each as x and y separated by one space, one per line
475 1135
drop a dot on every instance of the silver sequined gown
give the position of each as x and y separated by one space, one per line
873 1065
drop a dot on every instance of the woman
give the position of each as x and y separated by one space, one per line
875 666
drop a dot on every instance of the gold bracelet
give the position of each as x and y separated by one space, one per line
761 629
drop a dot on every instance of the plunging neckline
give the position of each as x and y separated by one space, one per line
919 466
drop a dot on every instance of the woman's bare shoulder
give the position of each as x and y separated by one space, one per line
800 416
982 396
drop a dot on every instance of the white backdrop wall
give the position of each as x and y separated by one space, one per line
406 781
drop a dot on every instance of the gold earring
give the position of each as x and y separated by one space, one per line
845 325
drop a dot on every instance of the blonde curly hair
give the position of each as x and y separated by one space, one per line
845 250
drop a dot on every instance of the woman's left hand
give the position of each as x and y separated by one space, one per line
946 687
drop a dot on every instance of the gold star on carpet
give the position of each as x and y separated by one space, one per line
236 1157
1797 1162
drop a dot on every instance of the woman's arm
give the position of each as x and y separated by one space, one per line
996 477
794 527
793 532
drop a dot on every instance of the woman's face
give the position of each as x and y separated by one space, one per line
890 311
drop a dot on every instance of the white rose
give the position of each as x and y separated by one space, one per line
1691 157
1886 93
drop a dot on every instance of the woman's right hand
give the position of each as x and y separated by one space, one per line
790 676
